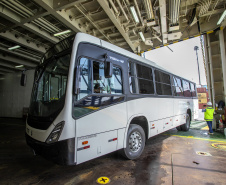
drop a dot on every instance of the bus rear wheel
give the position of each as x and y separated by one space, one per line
135 142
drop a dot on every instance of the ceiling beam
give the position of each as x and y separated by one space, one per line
13 17
16 60
22 41
64 4
2 73
213 12
188 3
104 4
63 16
7 70
92 22
4 64
14 53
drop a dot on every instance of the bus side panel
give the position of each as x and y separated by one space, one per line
154 109
180 110
121 136
195 109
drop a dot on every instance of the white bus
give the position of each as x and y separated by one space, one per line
91 98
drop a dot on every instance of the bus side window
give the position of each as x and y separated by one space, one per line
187 91
193 91
177 87
145 80
162 81
132 78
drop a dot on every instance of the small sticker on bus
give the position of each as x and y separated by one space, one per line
87 137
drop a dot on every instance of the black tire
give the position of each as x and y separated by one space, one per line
178 128
185 127
135 142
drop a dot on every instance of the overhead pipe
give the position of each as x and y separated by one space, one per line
114 7
128 3
124 13
15 9
149 9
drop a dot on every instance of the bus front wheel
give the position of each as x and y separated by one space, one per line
135 142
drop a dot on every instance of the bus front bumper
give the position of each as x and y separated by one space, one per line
61 152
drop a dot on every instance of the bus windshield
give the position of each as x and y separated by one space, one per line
50 86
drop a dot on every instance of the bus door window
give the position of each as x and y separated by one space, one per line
86 78
104 85
177 87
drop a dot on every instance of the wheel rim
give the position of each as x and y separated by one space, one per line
135 141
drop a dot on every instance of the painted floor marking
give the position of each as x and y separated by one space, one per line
103 180
192 137
221 146
205 128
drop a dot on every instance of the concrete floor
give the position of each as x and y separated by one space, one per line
169 158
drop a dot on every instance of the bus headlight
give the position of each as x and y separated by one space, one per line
55 134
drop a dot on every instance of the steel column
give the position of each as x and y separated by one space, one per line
223 60
207 67
211 70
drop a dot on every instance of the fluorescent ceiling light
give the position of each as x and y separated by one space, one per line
61 33
221 18
19 66
142 36
14 47
134 14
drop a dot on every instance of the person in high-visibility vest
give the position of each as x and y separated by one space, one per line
208 116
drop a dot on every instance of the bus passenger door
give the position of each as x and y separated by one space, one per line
99 109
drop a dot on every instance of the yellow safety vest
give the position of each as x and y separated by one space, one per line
208 115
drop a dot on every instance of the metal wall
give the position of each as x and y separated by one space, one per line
13 97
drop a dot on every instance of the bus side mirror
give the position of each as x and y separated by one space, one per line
77 79
23 79
108 69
